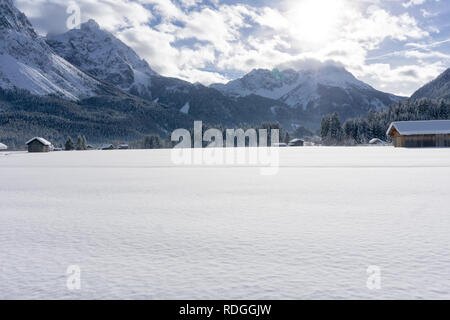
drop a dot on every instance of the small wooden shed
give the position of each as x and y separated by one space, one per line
296 143
420 134
39 144
107 146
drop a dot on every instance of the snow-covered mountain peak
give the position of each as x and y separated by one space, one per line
268 79
334 75
27 62
101 54
325 86
91 24
276 84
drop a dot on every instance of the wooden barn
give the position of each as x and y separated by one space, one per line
420 134
39 144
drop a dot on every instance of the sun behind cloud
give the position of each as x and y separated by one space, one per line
315 21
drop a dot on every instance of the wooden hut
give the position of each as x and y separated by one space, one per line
39 144
296 143
420 134
107 146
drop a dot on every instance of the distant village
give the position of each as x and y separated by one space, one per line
404 134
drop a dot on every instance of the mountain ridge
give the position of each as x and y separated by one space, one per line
438 88
299 88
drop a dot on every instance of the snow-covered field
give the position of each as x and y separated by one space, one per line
141 227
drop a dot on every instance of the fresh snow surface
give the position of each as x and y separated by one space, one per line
140 227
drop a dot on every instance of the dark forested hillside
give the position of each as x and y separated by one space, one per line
100 119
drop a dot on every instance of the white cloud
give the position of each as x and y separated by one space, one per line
51 15
411 3
401 79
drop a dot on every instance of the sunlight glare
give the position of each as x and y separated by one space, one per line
315 20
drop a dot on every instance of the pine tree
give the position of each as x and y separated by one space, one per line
444 110
81 143
325 127
287 138
69 145
152 142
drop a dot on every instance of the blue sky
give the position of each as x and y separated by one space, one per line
394 45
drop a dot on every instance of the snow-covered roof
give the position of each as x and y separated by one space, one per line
3 146
409 128
41 140
376 141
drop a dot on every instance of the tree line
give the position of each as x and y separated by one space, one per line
361 130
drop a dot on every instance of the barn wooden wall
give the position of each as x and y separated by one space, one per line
422 141
36 146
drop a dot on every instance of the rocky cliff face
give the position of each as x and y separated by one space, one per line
102 55
27 62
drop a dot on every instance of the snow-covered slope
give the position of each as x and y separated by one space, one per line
27 62
436 89
99 53
309 88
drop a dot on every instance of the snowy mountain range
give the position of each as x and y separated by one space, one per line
436 89
27 62
318 87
